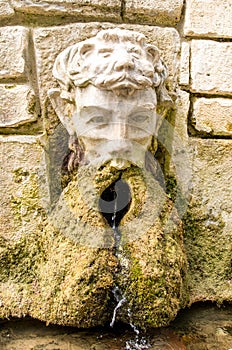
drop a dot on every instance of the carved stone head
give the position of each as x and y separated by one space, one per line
109 89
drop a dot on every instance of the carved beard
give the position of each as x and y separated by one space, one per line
76 157
151 238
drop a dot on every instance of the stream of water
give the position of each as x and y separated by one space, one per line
138 342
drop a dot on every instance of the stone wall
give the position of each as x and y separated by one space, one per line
194 37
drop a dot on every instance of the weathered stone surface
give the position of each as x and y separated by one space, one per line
20 161
154 12
17 104
173 136
208 221
6 10
213 116
181 118
184 64
199 328
208 18
146 254
99 9
211 67
180 158
13 43
49 42
58 274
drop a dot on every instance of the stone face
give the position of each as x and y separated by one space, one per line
213 116
6 10
16 105
208 224
98 9
123 131
155 12
208 18
13 43
20 161
211 67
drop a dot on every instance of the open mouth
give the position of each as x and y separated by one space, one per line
115 202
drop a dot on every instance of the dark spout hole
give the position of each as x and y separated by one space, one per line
115 201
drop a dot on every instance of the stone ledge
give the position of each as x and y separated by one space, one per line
212 18
213 116
13 43
17 105
153 12
211 67
99 9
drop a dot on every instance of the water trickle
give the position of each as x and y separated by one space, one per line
114 203
120 301
131 324
137 344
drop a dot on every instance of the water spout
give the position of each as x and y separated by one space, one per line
114 204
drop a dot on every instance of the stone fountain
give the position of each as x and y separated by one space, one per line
110 247
122 234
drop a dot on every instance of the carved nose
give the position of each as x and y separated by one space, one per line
119 148
125 61
120 130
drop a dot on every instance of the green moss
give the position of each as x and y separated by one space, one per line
18 260
154 267
208 250
26 205
55 279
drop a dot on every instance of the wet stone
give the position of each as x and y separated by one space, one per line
203 327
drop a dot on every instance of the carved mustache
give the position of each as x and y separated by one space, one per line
117 79
126 151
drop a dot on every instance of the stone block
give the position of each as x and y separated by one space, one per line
88 9
49 42
17 105
13 43
213 116
208 221
180 160
173 136
184 64
154 12
6 10
211 67
19 187
208 18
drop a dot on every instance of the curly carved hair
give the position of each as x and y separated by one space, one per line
91 62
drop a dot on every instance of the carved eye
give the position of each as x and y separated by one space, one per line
139 118
98 120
